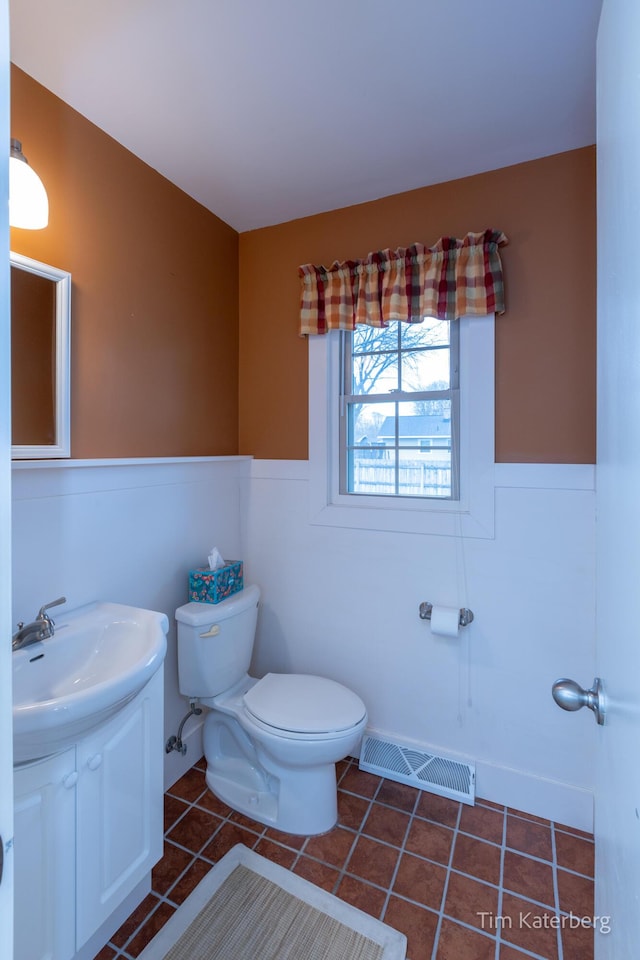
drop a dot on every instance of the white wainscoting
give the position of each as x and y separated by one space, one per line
126 531
344 603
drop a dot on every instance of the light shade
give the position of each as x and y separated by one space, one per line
28 201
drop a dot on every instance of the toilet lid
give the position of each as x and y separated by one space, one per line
304 704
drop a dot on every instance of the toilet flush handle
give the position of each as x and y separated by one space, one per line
213 631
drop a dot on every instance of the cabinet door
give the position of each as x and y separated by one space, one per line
45 859
119 811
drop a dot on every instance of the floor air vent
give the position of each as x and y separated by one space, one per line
426 771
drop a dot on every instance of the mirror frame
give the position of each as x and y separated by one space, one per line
62 446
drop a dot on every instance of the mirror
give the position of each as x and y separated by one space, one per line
40 359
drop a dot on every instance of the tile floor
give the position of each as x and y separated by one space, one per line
463 883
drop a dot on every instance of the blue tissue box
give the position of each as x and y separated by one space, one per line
212 586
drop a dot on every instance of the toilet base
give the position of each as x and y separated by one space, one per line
294 799
280 809
260 805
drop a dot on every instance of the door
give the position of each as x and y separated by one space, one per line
119 807
45 861
617 804
6 759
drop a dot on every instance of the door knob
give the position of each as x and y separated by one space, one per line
570 696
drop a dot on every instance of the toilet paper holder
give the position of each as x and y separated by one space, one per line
466 615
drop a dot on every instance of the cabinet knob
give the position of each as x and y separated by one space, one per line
94 762
70 780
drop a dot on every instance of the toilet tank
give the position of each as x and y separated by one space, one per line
215 643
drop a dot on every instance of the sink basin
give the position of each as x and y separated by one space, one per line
99 658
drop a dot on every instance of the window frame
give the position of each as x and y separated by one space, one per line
472 514
452 393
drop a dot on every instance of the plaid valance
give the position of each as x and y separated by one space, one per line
452 279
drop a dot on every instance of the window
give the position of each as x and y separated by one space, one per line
462 507
399 410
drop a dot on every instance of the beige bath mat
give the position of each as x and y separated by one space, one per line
248 908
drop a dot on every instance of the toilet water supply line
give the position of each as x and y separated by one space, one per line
175 742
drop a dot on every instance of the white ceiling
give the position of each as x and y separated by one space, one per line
269 110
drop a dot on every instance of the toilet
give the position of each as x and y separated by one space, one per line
271 745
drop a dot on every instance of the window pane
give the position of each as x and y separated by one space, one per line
365 420
374 373
429 333
366 338
426 369
406 450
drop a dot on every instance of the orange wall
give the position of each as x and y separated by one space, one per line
155 290
545 342
162 367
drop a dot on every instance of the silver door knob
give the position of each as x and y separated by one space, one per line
570 696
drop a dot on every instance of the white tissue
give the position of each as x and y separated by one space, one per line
445 621
215 559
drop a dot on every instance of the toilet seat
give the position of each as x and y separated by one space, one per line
299 705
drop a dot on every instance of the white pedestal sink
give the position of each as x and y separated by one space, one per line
99 658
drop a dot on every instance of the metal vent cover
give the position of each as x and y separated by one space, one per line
426 771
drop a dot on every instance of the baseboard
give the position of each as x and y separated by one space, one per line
175 764
552 799
542 797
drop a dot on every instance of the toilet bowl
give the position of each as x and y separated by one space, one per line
271 744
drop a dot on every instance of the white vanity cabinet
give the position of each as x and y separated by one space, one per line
88 829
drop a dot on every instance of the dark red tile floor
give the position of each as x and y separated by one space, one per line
463 883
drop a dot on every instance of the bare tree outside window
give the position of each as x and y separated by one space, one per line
375 351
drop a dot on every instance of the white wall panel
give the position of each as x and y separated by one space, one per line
344 603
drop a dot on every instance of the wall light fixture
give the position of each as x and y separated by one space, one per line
28 201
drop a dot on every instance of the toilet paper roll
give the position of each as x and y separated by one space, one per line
445 621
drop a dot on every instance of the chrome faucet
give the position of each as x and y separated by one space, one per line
41 628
